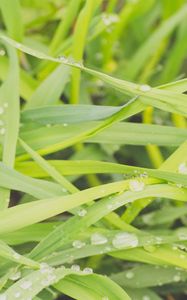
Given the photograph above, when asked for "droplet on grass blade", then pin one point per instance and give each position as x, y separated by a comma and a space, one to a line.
136, 185
1, 110
78, 244
122, 240
129, 275
145, 88
5, 104
81, 212
26, 284
2, 131
16, 256
182, 168
15, 276
88, 270
2, 52
177, 278
98, 239
17, 294
75, 268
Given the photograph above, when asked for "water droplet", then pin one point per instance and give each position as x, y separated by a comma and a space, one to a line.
129, 274
147, 218
16, 256
45, 268
78, 244
63, 59
1, 110
2, 131
81, 212
26, 284
110, 206
88, 270
158, 240
17, 294
122, 240
177, 278
75, 268
98, 239
3, 297
15, 276
136, 185
2, 52
109, 19
144, 88
182, 235
65, 124
5, 104
182, 168
145, 297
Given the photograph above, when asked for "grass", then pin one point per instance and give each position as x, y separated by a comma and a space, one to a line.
93, 146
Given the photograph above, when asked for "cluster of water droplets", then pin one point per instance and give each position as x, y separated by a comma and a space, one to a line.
76, 268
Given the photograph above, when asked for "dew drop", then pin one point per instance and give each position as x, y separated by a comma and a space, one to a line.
129, 274
144, 88
88, 270
26, 284
109, 19
16, 256
98, 239
182, 168
147, 218
5, 104
81, 212
136, 185
182, 235
15, 276
1, 110
63, 59
2, 52
177, 278
75, 268
45, 268
64, 190
122, 240
65, 124
17, 294
78, 244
